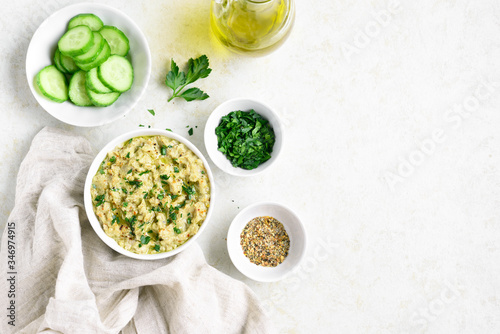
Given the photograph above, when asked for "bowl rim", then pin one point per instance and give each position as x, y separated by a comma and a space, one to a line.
96, 225
216, 156
90, 8
233, 234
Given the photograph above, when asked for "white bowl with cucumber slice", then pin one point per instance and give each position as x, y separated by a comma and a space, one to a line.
100, 41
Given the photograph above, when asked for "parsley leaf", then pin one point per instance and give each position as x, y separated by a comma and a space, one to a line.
176, 230
193, 94
190, 132
190, 190
131, 222
175, 78
99, 199
136, 183
145, 239
178, 80
151, 111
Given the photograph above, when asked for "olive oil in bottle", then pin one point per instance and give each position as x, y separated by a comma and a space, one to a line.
254, 27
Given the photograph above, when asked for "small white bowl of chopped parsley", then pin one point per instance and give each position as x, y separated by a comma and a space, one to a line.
243, 137
266, 241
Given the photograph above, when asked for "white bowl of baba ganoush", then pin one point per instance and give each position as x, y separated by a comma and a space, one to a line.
149, 193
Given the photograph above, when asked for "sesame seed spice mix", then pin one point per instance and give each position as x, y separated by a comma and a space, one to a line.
265, 242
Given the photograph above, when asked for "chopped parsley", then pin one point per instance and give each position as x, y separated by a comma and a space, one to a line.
128, 155
100, 200
176, 169
115, 220
151, 111
172, 216
176, 230
189, 220
125, 204
145, 172
245, 138
112, 159
156, 209
190, 190
131, 222
190, 132
130, 171
157, 248
163, 150
145, 239
136, 183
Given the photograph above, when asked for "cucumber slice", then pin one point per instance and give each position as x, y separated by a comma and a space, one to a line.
93, 83
77, 91
90, 20
101, 58
103, 100
76, 41
116, 39
68, 64
57, 61
94, 51
116, 73
52, 84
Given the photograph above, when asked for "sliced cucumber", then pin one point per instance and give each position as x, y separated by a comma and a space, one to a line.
116, 39
101, 58
116, 73
95, 56
68, 64
93, 83
57, 61
103, 100
90, 20
77, 91
76, 41
52, 84
94, 51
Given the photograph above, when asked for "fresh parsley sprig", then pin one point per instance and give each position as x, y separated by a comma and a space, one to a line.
178, 80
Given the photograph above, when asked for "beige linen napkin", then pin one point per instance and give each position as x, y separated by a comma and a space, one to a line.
69, 281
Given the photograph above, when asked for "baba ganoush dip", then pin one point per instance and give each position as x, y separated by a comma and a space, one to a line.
151, 194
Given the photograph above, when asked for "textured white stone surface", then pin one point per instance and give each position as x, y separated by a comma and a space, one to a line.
392, 155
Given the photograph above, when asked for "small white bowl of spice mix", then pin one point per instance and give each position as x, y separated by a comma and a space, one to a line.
266, 241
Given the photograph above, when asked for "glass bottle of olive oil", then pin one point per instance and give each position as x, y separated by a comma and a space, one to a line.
254, 27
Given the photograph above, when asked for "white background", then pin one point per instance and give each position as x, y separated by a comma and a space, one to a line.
391, 159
